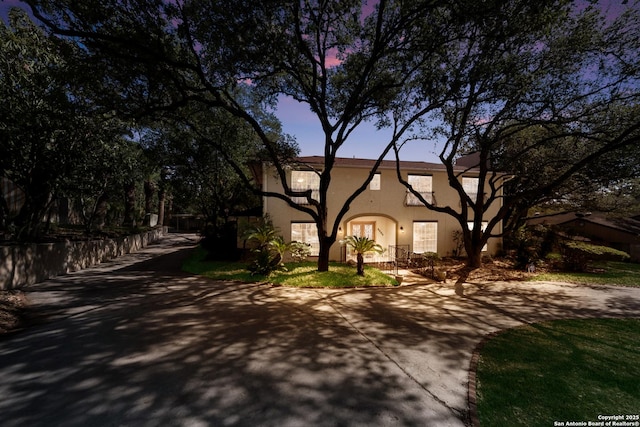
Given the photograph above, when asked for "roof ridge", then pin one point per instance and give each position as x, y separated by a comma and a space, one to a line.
357, 161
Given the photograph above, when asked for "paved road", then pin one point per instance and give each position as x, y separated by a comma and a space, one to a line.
135, 342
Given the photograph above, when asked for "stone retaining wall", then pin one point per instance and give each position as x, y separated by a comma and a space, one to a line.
28, 264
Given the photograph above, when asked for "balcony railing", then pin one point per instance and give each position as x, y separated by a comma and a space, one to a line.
315, 195
412, 200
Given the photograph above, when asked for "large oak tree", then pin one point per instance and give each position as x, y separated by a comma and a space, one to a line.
474, 74
54, 141
346, 66
546, 93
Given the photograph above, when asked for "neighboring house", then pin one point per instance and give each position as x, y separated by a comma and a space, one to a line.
619, 233
386, 212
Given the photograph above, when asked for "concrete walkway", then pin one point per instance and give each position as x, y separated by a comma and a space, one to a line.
135, 342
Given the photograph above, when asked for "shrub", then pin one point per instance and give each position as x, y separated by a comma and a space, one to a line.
361, 245
220, 241
553, 260
531, 244
577, 255
299, 251
271, 249
264, 262
430, 259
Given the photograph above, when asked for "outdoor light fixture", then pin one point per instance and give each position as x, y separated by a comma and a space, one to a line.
401, 229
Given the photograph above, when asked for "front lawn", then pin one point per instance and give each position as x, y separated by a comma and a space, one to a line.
559, 371
605, 273
303, 274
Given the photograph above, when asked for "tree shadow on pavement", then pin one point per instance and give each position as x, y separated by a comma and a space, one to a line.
145, 344
187, 351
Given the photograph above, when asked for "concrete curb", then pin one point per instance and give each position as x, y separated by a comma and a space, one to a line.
473, 378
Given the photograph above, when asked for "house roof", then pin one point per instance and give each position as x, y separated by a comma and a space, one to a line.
627, 225
369, 163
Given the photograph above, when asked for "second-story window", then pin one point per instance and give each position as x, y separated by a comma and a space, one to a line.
470, 186
423, 185
305, 180
375, 182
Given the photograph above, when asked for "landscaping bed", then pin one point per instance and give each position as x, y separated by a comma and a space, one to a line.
614, 273
12, 309
492, 270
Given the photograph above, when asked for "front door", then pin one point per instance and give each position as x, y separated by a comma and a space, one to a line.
364, 229
378, 228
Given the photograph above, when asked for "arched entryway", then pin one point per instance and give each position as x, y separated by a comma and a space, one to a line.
380, 228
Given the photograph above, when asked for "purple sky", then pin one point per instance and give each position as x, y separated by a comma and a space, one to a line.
299, 121
365, 142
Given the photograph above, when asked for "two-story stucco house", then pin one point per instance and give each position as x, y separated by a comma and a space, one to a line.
386, 212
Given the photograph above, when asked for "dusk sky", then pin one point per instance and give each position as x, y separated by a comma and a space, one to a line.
300, 122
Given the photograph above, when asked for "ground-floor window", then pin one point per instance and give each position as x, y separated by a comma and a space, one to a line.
306, 232
425, 237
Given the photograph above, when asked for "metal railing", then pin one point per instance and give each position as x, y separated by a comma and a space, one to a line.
397, 258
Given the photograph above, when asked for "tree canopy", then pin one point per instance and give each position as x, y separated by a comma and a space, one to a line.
477, 76
53, 139
346, 66
545, 91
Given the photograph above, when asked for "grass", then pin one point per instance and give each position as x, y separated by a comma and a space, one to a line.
565, 370
302, 274
218, 270
610, 273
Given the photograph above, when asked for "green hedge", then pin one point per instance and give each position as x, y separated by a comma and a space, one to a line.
577, 255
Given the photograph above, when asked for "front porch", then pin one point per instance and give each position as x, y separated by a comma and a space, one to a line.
381, 229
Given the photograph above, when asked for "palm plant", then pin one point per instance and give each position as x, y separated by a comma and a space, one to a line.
280, 247
262, 234
361, 246
271, 247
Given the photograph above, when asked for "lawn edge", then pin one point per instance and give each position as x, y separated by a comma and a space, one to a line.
472, 397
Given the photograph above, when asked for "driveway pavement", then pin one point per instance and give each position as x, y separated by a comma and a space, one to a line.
135, 342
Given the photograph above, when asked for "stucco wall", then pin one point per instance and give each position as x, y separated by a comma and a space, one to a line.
389, 202
28, 264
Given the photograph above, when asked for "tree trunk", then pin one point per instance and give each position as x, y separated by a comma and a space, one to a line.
4, 213
474, 258
360, 259
129, 204
149, 191
473, 245
323, 255
102, 206
161, 199
32, 213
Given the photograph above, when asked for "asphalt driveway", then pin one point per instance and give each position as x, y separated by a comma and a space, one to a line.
136, 342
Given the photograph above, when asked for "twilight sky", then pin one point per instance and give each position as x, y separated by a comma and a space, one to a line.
366, 142
298, 121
